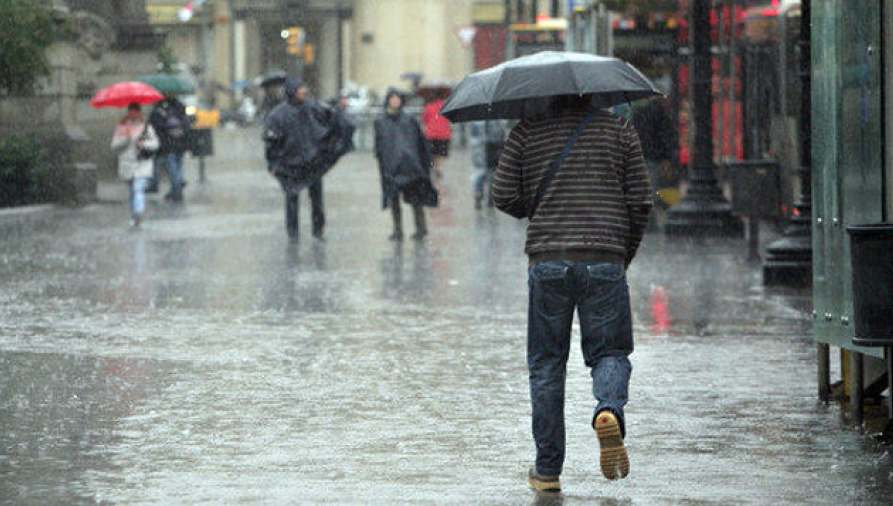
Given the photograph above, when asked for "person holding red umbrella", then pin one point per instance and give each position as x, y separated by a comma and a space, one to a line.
134, 140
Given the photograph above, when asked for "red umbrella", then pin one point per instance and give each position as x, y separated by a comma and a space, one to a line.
124, 94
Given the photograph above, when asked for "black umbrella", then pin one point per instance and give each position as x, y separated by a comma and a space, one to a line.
274, 78
525, 86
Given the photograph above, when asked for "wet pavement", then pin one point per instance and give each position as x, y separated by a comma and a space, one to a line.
205, 359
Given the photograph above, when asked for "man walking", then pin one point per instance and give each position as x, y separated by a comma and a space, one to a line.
294, 133
581, 179
170, 121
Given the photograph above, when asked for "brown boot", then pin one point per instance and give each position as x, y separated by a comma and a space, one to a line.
542, 483
614, 460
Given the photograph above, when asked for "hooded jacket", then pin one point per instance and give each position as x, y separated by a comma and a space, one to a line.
130, 136
404, 161
172, 124
295, 132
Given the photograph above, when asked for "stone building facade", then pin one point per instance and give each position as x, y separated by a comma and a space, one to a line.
111, 41
367, 42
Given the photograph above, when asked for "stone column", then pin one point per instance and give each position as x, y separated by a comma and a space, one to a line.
327, 57
222, 48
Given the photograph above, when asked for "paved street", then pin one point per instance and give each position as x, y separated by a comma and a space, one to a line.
204, 359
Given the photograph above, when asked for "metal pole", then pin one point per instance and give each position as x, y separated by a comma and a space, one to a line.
721, 40
340, 51
753, 238
702, 77
205, 57
823, 352
733, 123
232, 52
857, 386
789, 259
888, 355
704, 211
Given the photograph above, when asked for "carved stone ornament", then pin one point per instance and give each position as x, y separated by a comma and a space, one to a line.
94, 34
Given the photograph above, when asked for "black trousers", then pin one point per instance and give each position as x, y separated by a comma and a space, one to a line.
292, 212
418, 212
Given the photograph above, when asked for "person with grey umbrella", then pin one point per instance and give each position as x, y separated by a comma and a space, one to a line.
575, 170
586, 223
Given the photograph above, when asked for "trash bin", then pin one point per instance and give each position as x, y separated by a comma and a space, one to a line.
756, 187
201, 142
871, 248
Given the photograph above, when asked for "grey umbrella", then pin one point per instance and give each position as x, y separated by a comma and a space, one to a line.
524, 86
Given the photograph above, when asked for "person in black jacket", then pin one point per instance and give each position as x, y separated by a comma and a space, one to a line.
405, 165
170, 121
299, 134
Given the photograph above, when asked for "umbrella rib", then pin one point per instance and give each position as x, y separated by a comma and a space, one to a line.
577, 83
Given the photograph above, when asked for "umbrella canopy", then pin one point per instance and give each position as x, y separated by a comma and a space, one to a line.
124, 94
274, 78
525, 86
169, 84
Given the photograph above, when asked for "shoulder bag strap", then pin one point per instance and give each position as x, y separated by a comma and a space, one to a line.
553, 167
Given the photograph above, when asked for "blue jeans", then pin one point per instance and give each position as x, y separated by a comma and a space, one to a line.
480, 180
173, 163
138, 196
599, 293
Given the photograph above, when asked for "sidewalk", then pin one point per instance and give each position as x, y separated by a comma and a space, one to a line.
205, 359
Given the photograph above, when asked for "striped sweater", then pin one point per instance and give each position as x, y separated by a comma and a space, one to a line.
600, 198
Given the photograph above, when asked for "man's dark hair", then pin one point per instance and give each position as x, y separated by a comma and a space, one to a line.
573, 102
133, 106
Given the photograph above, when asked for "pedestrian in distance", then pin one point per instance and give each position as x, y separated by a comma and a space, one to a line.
404, 163
296, 133
438, 133
135, 142
586, 223
170, 121
486, 139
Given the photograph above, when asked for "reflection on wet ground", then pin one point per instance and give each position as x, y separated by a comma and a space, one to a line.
207, 359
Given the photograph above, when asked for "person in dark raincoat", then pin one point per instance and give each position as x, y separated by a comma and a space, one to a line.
170, 122
405, 165
299, 135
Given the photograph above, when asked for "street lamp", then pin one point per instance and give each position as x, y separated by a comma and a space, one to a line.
789, 260
704, 211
